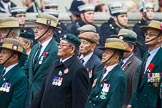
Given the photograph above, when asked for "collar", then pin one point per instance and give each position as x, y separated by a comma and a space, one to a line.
65, 59
44, 45
154, 51
108, 69
6, 5
86, 58
9, 68
127, 58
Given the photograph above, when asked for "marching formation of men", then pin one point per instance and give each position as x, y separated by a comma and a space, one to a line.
80, 65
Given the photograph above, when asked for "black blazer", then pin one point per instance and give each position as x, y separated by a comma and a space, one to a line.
73, 90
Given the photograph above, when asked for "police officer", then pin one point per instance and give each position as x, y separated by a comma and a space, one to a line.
109, 88
146, 94
131, 63
115, 23
42, 54
147, 14
13, 81
67, 84
92, 62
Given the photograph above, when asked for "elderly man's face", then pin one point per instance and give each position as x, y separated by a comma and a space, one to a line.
4, 55
65, 49
152, 39
107, 54
86, 47
3, 34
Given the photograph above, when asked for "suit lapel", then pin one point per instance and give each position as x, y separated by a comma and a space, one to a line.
47, 49
8, 75
98, 88
128, 63
155, 62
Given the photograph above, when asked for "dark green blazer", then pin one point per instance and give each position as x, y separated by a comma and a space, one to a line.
110, 92
18, 84
147, 94
38, 72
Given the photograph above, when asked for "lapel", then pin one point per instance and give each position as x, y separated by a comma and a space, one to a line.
89, 62
47, 49
8, 75
98, 88
128, 63
1, 5
155, 62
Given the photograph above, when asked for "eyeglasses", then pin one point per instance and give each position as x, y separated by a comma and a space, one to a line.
38, 28
151, 34
64, 45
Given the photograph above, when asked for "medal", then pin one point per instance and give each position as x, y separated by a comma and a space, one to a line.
66, 71
60, 73
60, 81
106, 87
94, 82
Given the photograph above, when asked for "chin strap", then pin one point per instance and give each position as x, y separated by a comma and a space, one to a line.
43, 33
109, 57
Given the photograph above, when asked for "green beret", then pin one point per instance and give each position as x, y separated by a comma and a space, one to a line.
71, 39
27, 35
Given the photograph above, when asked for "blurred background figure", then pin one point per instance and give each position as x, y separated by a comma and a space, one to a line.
159, 6
32, 6
118, 20
147, 15
50, 5
6, 5
101, 8
131, 5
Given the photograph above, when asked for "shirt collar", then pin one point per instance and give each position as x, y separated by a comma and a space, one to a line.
86, 58
127, 58
9, 68
154, 51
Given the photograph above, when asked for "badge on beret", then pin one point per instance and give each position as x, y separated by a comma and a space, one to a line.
161, 26
121, 37
48, 22
15, 47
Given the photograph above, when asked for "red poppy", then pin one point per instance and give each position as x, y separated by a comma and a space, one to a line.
45, 54
151, 66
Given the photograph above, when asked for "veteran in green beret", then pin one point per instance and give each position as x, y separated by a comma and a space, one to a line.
130, 62
147, 93
13, 81
9, 28
42, 54
67, 84
109, 88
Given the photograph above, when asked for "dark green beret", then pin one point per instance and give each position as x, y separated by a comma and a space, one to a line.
71, 39
27, 35
128, 38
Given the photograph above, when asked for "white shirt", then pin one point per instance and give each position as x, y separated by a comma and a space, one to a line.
108, 69
126, 59
86, 58
9, 68
44, 45
65, 59
152, 54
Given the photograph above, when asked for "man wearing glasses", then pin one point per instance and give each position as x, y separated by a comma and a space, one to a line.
42, 54
147, 93
67, 84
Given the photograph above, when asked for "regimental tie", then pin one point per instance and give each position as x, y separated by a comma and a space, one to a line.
81, 60
143, 66
36, 58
